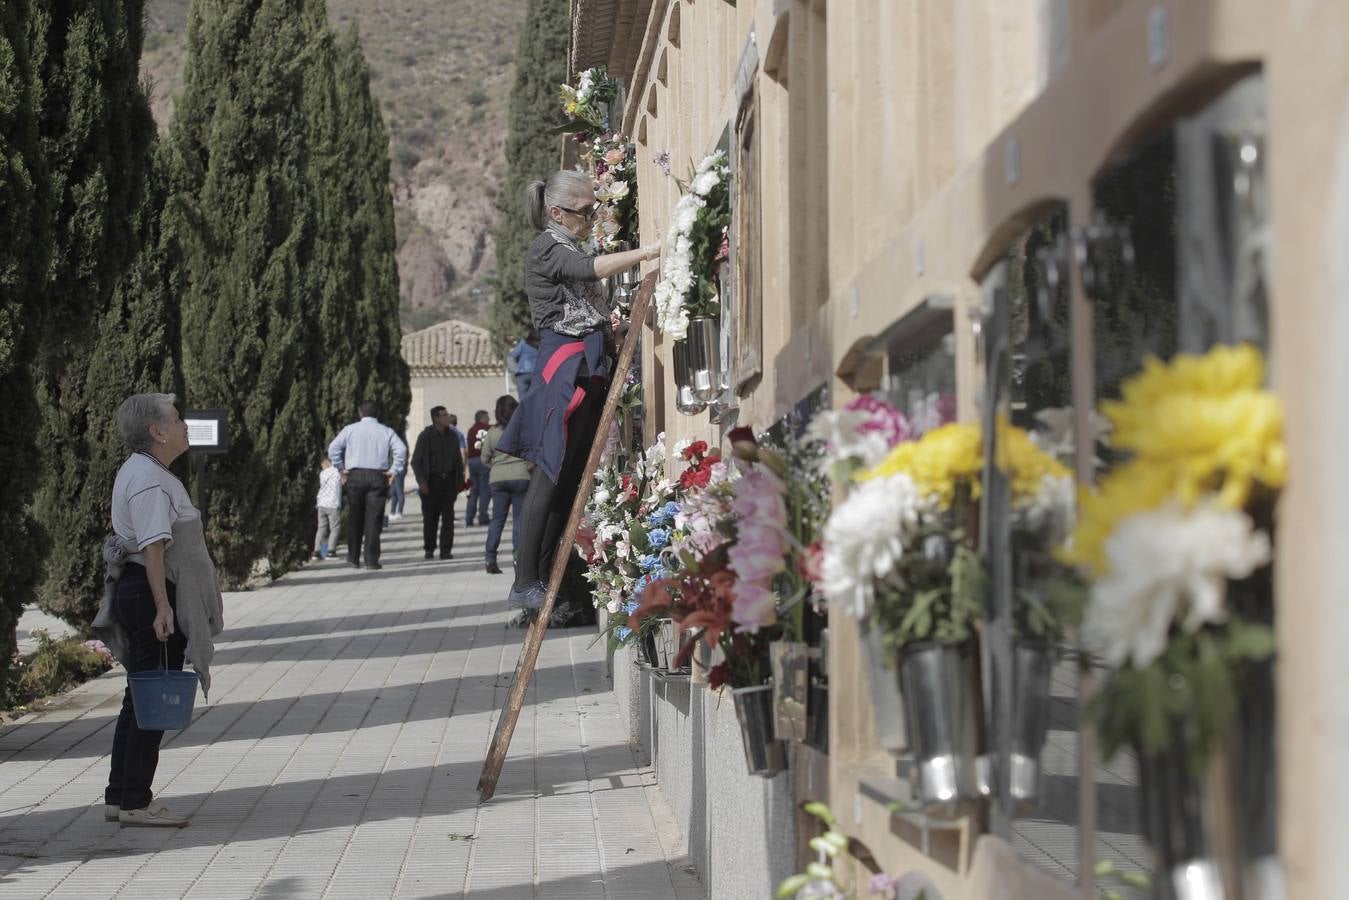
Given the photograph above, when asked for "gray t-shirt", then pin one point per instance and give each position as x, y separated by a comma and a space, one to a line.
564, 294
147, 499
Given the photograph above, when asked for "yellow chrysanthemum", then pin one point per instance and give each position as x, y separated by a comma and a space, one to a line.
938, 462
1197, 426
1208, 419
1131, 488
1024, 462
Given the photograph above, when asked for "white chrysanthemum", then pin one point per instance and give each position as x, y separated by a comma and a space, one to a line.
841, 432
864, 539
713, 159
704, 183
1168, 564
1052, 511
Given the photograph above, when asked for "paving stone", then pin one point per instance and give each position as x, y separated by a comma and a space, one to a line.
339, 752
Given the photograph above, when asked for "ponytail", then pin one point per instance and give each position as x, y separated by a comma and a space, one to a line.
534, 206
561, 190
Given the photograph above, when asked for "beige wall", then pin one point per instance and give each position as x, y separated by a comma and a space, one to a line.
460, 394
886, 126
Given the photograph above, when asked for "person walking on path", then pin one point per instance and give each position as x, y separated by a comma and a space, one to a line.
480, 491
161, 602
438, 464
509, 481
524, 356
557, 419
329, 504
396, 499
459, 436
362, 452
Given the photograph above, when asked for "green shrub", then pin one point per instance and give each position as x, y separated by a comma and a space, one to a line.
55, 667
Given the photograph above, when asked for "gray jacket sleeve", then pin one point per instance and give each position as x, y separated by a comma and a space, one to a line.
558, 262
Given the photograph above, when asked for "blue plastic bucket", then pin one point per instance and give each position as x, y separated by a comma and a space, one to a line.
163, 698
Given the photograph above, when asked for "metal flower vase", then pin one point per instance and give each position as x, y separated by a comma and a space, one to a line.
704, 358
765, 756
1032, 666
942, 712
686, 403
887, 704
790, 661
1213, 833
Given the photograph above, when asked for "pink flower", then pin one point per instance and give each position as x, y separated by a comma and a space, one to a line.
758, 554
882, 418
755, 607
615, 156
758, 497
882, 884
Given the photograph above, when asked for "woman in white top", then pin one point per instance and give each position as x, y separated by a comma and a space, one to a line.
165, 603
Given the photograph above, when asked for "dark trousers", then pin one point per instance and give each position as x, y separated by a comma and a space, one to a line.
507, 496
135, 752
547, 505
367, 489
438, 511
480, 494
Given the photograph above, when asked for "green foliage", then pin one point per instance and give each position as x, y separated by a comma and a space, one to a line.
97, 134
289, 314
933, 598
55, 667
24, 254
1191, 690
532, 152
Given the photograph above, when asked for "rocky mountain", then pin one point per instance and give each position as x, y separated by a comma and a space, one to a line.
442, 72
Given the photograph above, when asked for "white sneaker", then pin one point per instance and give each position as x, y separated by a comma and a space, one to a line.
395, 517
159, 817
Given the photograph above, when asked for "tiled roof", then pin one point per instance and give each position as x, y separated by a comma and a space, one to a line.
608, 33
450, 345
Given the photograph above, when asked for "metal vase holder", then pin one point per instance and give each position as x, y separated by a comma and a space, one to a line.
1032, 666
765, 756
704, 359
686, 403
790, 661
942, 712
887, 704
1213, 834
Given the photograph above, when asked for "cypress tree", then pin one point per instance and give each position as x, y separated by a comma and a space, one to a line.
532, 152
24, 218
244, 212
356, 246
96, 130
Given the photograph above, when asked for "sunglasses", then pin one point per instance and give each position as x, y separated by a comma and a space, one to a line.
587, 212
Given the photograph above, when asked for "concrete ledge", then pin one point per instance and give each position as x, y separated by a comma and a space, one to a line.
741, 829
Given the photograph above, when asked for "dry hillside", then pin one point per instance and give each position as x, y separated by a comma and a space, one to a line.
442, 72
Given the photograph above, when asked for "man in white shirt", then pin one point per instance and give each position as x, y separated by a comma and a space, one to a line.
362, 453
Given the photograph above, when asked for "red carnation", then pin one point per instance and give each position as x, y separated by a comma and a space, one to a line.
697, 448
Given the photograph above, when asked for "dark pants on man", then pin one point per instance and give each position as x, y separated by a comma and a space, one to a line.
480, 494
507, 496
438, 512
367, 491
547, 506
135, 751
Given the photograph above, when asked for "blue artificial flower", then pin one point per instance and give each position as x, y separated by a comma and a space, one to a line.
657, 538
630, 607
623, 631
649, 562
671, 509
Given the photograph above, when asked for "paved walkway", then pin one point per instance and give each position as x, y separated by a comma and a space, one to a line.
339, 753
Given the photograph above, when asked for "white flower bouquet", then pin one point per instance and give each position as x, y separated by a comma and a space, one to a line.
688, 287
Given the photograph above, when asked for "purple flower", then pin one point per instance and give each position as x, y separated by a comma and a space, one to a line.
662, 161
882, 884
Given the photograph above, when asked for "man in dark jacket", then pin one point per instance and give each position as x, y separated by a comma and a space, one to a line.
438, 463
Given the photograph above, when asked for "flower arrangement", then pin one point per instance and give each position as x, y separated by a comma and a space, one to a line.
614, 162
899, 553
586, 105
744, 535
688, 287
1177, 545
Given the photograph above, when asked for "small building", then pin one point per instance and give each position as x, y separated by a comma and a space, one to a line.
452, 364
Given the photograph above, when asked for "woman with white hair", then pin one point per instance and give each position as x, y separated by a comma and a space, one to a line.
162, 601
557, 419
